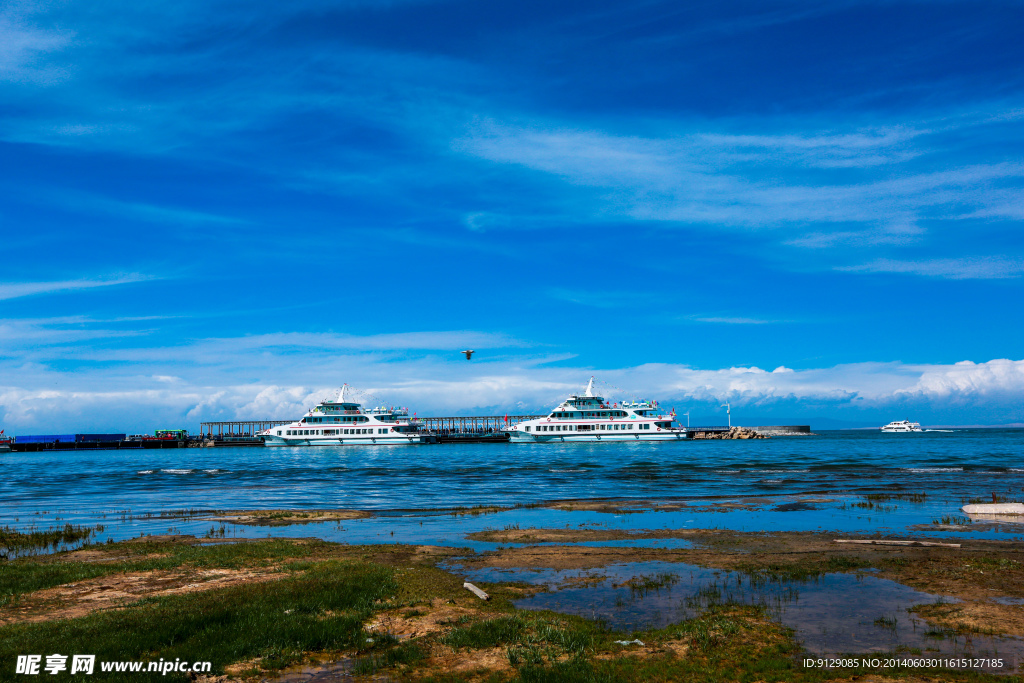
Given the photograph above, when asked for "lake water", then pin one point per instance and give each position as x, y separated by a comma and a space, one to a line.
788, 483
826, 620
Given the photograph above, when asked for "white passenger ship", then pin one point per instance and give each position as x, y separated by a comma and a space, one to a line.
902, 426
590, 418
343, 423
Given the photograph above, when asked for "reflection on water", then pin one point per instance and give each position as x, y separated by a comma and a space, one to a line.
833, 613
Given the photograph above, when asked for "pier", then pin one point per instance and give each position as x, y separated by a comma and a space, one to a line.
129, 444
472, 429
241, 429
452, 429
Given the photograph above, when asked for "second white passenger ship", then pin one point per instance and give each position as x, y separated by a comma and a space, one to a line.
902, 426
343, 423
590, 418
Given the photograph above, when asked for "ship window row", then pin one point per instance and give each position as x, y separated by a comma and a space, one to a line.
336, 420
576, 415
333, 432
583, 428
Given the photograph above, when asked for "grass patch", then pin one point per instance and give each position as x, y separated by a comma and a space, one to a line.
488, 633
994, 562
31, 574
406, 654
537, 643
643, 585
909, 497
995, 498
952, 520
886, 623
870, 504
323, 609
575, 670
14, 543
760, 575
710, 630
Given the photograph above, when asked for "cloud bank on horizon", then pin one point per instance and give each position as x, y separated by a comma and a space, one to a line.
216, 211
518, 379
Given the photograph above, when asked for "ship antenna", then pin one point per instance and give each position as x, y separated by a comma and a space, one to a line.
590, 387
341, 394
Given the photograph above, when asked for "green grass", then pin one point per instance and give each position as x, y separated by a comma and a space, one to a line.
13, 542
994, 562
31, 573
994, 498
886, 623
406, 654
643, 585
575, 670
870, 504
800, 571
952, 520
910, 497
488, 633
321, 610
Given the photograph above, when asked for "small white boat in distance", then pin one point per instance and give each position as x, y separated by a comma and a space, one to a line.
340, 422
902, 426
590, 418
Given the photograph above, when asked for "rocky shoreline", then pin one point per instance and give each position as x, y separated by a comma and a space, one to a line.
733, 433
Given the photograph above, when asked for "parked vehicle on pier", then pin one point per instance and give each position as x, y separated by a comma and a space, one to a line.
591, 418
342, 422
174, 434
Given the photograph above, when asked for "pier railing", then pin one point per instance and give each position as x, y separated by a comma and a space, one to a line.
221, 430
472, 424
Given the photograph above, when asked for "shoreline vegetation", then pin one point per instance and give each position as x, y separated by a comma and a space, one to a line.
274, 607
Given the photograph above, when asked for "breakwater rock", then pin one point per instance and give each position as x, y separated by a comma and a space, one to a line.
732, 433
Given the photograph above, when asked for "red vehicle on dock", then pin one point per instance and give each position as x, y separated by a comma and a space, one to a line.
168, 435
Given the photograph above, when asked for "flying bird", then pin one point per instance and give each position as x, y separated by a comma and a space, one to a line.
469, 353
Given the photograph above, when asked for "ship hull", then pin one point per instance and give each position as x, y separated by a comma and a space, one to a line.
524, 437
351, 441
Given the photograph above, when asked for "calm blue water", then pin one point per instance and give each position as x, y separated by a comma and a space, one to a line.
404, 484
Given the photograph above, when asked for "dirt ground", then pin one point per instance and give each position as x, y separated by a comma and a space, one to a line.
286, 517
619, 507
116, 590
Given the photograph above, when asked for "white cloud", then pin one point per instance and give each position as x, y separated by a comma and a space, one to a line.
13, 290
735, 321
22, 45
977, 268
827, 190
968, 380
37, 397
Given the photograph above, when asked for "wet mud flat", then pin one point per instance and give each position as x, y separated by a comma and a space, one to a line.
727, 606
918, 600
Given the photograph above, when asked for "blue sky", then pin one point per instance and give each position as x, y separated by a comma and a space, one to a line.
217, 210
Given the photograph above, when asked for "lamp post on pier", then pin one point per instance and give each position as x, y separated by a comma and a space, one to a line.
728, 411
